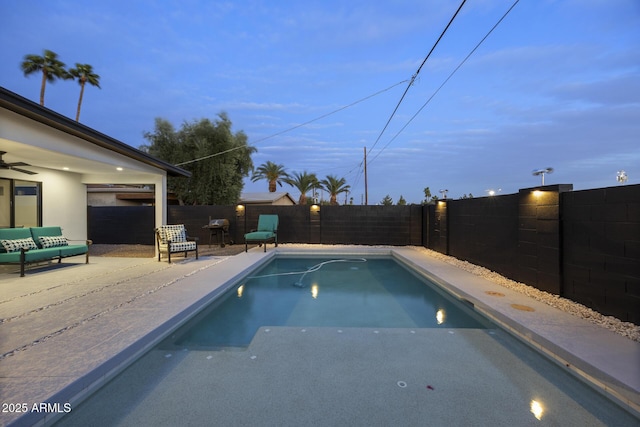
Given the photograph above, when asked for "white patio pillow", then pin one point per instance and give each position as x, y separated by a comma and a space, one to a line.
17, 244
53, 241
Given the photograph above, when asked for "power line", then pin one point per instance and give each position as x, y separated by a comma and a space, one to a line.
446, 80
294, 127
416, 75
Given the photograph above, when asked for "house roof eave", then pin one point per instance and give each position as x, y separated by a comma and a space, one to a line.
22, 106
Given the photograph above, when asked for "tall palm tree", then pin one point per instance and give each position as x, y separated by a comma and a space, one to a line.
303, 182
50, 66
335, 186
84, 73
273, 173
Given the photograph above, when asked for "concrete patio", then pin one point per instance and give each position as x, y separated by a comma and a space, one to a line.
66, 329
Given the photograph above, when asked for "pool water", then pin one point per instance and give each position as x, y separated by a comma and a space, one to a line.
336, 292
350, 342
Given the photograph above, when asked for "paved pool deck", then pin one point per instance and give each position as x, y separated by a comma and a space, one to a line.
67, 329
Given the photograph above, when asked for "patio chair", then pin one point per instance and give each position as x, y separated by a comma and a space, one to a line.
267, 231
173, 238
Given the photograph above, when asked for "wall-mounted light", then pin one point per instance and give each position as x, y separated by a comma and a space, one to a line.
537, 193
240, 210
315, 208
119, 169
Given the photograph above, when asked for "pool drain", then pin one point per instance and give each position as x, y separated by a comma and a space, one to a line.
402, 384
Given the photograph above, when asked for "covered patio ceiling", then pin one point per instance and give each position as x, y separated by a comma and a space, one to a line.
83, 150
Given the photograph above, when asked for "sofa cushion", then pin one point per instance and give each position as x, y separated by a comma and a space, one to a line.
260, 235
72, 250
37, 232
42, 254
183, 246
53, 241
16, 244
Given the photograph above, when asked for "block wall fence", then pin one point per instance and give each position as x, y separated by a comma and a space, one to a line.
582, 245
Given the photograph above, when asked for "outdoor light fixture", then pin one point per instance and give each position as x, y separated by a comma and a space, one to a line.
444, 193
541, 172
240, 210
621, 177
493, 192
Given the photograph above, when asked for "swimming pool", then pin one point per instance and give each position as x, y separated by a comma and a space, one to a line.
325, 292
417, 370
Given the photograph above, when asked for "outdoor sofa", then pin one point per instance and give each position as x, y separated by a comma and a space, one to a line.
36, 244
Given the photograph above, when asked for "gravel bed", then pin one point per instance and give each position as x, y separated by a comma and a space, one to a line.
626, 329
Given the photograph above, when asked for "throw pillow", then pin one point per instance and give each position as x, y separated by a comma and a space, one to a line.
17, 244
53, 241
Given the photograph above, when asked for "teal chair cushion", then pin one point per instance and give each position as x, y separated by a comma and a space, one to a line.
260, 235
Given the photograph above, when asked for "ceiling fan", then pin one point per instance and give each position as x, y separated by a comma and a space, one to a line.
12, 166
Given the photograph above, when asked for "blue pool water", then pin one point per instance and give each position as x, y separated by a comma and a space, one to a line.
336, 292
342, 341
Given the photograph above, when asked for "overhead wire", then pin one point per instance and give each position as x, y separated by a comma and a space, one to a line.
415, 75
445, 81
294, 127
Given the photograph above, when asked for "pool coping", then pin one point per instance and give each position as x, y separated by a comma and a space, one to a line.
606, 360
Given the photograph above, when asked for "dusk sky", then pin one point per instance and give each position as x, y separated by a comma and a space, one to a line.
556, 84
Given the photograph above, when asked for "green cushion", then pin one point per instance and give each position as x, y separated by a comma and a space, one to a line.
41, 254
268, 223
36, 232
10, 257
260, 235
14, 233
72, 250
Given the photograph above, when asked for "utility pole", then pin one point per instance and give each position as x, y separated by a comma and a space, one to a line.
366, 190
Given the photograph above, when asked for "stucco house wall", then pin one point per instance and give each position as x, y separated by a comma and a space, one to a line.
67, 156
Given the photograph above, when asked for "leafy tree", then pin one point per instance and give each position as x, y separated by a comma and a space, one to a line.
334, 186
50, 67
84, 73
217, 158
273, 173
303, 182
387, 201
402, 201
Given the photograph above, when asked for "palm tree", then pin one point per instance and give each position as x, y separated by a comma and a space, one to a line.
50, 66
272, 172
303, 182
335, 186
84, 73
